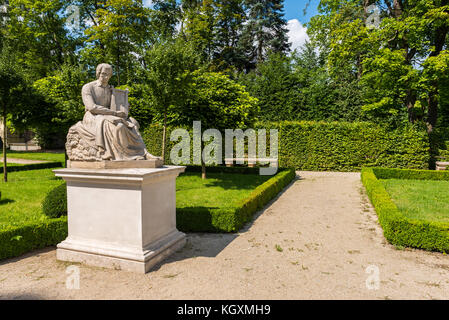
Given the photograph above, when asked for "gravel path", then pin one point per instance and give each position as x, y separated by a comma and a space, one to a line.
22, 161
315, 241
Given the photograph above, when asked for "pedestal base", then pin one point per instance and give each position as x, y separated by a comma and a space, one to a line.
111, 257
121, 218
116, 164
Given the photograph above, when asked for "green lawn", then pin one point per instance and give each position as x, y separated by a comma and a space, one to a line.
25, 190
219, 190
44, 156
22, 196
420, 199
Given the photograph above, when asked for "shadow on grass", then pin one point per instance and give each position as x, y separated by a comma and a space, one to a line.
211, 244
6, 201
228, 181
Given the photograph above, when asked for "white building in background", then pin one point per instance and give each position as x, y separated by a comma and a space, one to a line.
24, 141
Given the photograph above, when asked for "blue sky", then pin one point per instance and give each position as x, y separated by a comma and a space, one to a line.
294, 9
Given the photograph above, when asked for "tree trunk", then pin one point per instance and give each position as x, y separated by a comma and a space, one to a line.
164, 134
410, 102
203, 165
432, 111
203, 169
5, 138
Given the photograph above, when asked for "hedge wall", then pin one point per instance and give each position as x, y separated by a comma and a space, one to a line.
399, 229
335, 146
33, 166
17, 240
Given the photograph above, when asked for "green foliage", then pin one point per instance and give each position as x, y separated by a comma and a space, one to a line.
299, 87
265, 31
410, 174
57, 106
218, 102
17, 240
400, 65
36, 29
34, 166
55, 203
232, 219
334, 146
398, 229
342, 146
168, 77
120, 30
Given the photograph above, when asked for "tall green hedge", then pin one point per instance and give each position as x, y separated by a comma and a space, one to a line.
335, 146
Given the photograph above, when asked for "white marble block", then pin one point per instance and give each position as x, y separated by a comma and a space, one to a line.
121, 218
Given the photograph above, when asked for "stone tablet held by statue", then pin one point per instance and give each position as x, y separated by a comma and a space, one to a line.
119, 100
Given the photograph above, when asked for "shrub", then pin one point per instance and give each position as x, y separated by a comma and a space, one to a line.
399, 229
55, 203
17, 240
335, 146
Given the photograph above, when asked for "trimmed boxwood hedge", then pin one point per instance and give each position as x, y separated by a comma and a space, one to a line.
334, 146
18, 240
34, 166
232, 219
399, 229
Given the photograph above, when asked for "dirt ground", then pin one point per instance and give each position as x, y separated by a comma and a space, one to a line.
319, 239
22, 161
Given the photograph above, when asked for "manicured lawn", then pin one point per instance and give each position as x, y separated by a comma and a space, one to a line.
420, 199
44, 156
22, 196
219, 190
25, 190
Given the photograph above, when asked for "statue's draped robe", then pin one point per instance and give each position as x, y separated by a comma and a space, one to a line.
106, 137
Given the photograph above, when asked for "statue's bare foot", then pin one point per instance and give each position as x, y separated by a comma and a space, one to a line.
149, 156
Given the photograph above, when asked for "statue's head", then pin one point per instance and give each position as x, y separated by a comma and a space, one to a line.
104, 72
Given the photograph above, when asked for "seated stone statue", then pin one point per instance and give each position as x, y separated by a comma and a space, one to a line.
104, 134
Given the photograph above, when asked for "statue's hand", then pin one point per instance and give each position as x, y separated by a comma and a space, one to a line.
121, 114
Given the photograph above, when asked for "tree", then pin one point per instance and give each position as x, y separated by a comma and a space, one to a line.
36, 29
168, 74
165, 17
265, 31
219, 103
57, 105
398, 63
12, 84
276, 87
119, 35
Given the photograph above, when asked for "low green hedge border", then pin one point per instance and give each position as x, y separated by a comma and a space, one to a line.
398, 229
231, 220
34, 166
15, 241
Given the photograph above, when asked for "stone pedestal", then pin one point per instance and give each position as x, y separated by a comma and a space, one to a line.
121, 218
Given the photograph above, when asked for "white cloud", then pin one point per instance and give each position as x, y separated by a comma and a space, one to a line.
297, 33
147, 3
